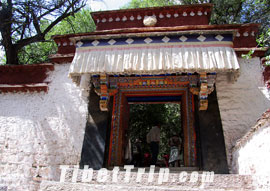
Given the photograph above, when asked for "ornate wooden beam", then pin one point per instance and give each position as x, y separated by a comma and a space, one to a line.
201, 85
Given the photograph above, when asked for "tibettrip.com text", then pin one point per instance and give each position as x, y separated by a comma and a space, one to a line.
88, 175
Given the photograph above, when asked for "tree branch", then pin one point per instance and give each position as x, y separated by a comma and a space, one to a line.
36, 22
51, 10
70, 23
40, 36
63, 16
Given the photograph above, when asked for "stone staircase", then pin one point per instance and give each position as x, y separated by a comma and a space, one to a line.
188, 181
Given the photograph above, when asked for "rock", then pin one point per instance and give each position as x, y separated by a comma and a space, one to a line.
149, 21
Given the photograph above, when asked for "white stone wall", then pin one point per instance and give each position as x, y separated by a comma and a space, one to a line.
241, 103
40, 131
252, 157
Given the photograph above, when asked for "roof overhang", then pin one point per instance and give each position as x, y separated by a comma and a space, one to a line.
155, 53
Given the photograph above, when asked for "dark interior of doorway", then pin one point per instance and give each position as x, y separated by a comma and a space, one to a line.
146, 112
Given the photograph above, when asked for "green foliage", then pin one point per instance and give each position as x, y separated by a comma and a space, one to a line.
21, 24
267, 63
258, 11
2, 56
248, 55
224, 12
2, 60
81, 22
264, 38
39, 52
144, 116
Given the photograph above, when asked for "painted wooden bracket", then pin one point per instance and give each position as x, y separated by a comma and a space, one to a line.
206, 87
104, 88
203, 94
104, 93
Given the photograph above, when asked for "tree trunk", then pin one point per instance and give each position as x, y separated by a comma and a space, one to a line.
12, 55
11, 49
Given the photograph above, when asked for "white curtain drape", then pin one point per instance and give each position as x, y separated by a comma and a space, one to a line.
153, 60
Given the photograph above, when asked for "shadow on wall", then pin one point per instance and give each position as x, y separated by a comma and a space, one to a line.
95, 134
210, 135
45, 129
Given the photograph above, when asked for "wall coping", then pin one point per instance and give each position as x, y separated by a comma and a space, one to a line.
24, 78
262, 122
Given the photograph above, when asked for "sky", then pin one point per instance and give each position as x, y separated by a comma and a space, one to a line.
98, 5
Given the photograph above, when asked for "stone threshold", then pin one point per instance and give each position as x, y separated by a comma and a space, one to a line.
232, 182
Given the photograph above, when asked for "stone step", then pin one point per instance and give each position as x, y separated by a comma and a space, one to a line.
56, 186
187, 181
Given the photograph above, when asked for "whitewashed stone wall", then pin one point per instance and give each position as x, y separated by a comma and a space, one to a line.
241, 103
40, 131
252, 153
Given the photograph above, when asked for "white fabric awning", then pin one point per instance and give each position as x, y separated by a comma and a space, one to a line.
156, 58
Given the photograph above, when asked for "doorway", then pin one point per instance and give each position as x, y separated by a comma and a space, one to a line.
146, 112
126, 97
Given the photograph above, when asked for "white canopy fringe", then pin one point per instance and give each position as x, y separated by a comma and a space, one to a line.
153, 61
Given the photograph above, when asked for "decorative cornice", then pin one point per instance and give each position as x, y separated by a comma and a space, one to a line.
240, 40
160, 16
166, 16
162, 39
61, 58
40, 87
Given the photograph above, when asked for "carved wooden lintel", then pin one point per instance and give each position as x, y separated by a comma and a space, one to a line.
201, 85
